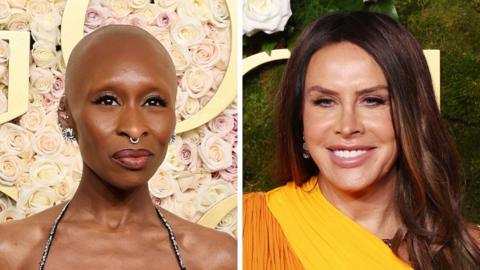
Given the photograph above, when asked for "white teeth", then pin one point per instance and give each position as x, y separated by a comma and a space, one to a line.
349, 154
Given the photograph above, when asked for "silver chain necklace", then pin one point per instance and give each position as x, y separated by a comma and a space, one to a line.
53, 230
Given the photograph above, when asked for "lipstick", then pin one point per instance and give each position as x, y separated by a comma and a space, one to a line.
132, 159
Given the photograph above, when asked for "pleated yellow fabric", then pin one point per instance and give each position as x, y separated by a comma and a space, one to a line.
264, 245
322, 237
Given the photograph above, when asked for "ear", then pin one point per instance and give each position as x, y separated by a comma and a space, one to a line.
63, 113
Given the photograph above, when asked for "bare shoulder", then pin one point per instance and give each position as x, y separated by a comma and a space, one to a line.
198, 243
22, 239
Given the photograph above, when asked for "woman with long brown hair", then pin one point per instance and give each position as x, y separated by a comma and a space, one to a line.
372, 177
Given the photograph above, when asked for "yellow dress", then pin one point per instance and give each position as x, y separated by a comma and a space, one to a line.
294, 227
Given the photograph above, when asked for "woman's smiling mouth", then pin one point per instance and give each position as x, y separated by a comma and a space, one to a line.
132, 159
349, 156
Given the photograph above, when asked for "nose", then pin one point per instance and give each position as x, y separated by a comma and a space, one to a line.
131, 123
349, 123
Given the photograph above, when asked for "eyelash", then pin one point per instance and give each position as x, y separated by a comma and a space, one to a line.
158, 101
328, 102
106, 100
111, 100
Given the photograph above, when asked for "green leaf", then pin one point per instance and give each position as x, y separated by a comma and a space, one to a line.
348, 5
268, 46
386, 7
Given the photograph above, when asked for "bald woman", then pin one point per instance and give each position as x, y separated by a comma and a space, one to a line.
120, 105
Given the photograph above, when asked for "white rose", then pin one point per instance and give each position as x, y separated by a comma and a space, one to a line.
44, 54
41, 80
149, 12
61, 63
3, 102
162, 184
39, 7
5, 202
187, 32
197, 81
229, 223
203, 100
4, 12
180, 57
19, 21
138, 4
212, 193
190, 108
205, 54
45, 29
3, 77
11, 168
215, 153
35, 198
4, 51
186, 206
194, 9
65, 189
137, 20
192, 136
34, 118
17, 3
172, 160
48, 141
188, 181
16, 140
120, 8
219, 13
161, 35
11, 213
47, 171
181, 99
169, 5
269, 16
222, 124
222, 37
224, 59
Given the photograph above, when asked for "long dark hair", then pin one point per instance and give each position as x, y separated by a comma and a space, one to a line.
429, 192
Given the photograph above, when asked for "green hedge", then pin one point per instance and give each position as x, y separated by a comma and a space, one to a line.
452, 26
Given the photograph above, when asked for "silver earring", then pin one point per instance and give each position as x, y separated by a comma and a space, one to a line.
305, 153
134, 141
67, 134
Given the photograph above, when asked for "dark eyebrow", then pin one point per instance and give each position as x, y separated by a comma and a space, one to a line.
327, 91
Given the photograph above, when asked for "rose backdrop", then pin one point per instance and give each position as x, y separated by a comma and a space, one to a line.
200, 168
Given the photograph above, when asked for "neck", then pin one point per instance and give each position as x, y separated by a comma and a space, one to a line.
374, 209
105, 205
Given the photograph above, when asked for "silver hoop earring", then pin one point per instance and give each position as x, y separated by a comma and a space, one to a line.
305, 153
67, 134
134, 141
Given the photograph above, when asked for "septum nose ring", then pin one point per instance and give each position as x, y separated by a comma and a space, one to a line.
134, 141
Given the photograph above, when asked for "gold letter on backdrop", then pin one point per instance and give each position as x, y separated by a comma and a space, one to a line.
19, 46
72, 32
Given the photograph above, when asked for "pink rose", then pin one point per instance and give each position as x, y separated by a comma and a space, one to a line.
95, 16
222, 124
58, 87
165, 19
230, 173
